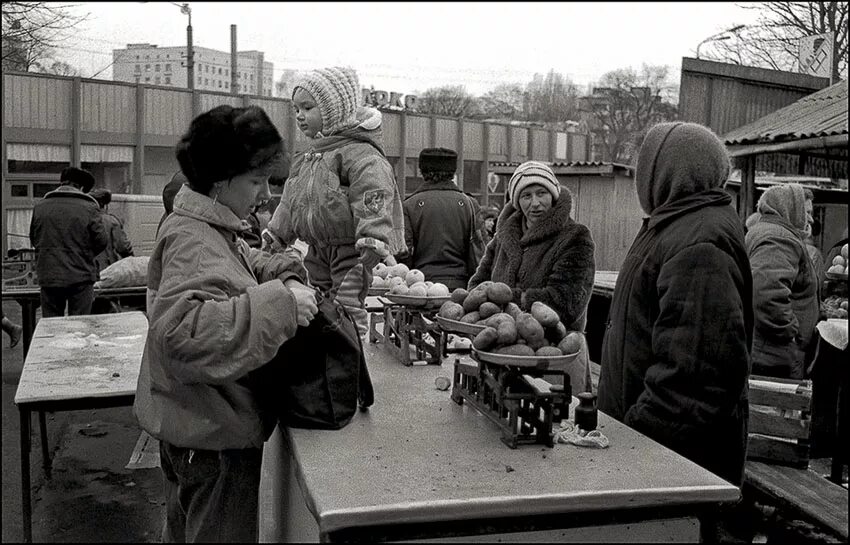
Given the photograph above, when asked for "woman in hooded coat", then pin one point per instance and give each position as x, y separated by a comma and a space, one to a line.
543, 255
785, 285
675, 357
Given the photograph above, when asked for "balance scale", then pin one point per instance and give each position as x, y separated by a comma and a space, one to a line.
412, 334
518, 400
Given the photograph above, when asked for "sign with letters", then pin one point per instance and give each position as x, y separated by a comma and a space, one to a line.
391, 100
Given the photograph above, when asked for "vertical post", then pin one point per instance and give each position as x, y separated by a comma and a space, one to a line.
569, 147
433, 130
588, 147
529, 144
509, 142
748, 187
190, 51
553, 145
76, 120
260, 60
460, 153
485, 166
401, 179
234, 83
139, 156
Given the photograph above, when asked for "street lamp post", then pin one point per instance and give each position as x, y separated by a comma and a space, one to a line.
720, 36
190, 52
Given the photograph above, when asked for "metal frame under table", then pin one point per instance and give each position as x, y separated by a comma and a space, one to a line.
76, 363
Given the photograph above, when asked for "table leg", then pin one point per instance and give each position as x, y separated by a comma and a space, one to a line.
26, 505
28, 317
45, 451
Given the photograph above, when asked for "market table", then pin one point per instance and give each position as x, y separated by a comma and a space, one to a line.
29, 298
76, 363
418, 466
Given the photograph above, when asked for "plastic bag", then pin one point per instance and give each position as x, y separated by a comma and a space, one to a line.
128, 272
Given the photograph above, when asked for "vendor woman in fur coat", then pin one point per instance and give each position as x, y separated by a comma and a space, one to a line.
543, 254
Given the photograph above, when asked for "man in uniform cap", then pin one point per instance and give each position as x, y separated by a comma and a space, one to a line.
440, 223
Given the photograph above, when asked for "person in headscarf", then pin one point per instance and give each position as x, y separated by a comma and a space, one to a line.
785, 286
675, 356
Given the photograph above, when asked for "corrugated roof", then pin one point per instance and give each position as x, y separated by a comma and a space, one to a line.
563, 164
823, 113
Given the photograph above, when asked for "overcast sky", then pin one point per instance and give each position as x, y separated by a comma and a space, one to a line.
407, 47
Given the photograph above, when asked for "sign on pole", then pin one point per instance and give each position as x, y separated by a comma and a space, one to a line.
816, 55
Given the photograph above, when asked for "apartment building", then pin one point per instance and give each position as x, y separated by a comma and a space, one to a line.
153, 65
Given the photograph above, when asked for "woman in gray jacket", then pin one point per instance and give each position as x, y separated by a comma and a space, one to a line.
217, 311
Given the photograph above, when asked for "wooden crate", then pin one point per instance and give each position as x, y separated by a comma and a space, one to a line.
780, 420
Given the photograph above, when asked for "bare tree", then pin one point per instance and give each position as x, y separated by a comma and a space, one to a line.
32, 31
60, 68
775, 41
623, 107
504, 101
552, 98
450, 100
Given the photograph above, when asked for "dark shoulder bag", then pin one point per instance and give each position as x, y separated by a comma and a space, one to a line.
319, 377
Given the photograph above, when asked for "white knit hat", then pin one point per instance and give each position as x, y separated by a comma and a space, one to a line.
336, 91
529, 173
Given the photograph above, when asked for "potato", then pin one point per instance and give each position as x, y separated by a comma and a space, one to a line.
459, 295
488, 309
451, 310
474, 299
572, 343
555, 334
470, 317
496, 319
516, 350
544, 314
548, 351
485, 339
513, 310
499, 293
507, 332
530, 330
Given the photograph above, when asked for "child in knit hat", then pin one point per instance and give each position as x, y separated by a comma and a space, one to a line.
341, 197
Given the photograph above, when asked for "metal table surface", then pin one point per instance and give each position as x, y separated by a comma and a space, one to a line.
417, 465
76, 363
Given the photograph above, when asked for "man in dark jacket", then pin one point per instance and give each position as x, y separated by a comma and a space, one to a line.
675, 358
118, 246
67, 232
440, 228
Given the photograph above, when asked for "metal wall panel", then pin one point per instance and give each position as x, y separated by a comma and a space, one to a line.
446, 133
392, 133
540, 138
418, 133
107, 108
208, 101
498, 142
279, 112
580, 147
473, 141
520, 143
36, 102
167, 112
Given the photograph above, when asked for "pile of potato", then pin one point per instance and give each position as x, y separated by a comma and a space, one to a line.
401, 280
509, 330
839, 262
835, 306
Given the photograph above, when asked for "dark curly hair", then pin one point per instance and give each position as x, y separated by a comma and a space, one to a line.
226, 142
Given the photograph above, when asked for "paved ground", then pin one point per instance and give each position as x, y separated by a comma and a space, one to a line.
91, 497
